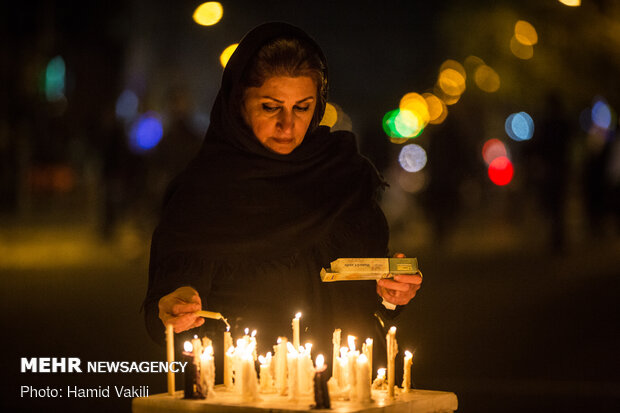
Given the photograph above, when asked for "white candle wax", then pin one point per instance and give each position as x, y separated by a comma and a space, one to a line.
228, 343
368, 347
170, 357
352, 374
295, 323
293, 379
336, 350
362, 379
408, 361
249, 386
207, 369
392, 349
280, 360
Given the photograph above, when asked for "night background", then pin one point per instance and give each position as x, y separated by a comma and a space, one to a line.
510, 202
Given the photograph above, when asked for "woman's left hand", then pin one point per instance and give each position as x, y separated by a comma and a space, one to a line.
401, 289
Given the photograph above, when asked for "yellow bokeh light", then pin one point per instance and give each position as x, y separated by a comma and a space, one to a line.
471, 62
522, 51
571, 3
417, 105
452, 82
487, 79
209, 13
435, 106
408, 124
525, 33
330, 117
445, 98
227, 53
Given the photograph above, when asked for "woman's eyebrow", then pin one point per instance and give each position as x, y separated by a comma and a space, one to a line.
281, 101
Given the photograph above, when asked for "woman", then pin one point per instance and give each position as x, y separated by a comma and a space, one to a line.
271, 198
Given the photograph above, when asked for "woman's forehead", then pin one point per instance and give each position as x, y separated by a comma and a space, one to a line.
284, 88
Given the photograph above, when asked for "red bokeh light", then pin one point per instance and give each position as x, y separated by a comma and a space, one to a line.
501, 171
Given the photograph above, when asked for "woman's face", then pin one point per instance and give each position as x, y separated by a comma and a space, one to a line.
279, 112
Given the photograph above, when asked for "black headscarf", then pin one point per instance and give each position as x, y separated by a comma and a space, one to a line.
237, 198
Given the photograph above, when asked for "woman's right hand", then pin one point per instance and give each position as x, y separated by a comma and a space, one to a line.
178, 308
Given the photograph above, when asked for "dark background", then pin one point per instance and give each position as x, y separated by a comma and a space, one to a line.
519, 306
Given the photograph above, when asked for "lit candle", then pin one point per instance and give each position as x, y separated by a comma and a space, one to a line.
249, 382
344, 369
321, 393
170, 357
207, 369
379, 382
362, 379
352, 356
228, 344
336, 349
296, 331
367, 350
392, 349
281, 365
192, 372
407, 371
266, 381
292, 358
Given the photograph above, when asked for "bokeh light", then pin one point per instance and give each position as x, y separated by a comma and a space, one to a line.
330, 117
601, 114
412, 158
408, 124
519, 126
472, 62
145, 133
486, 78
437, 110
127, 105
571, 3
525, 33
493, 148
209, 13
412, 182
225, 56
522, 51
500, 171
452, 82
388, 124
55, 79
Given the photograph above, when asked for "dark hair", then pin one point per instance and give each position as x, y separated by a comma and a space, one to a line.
292, 57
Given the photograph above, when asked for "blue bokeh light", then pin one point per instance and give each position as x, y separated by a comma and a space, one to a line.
127, 105
601, 114
519, 126
145, 133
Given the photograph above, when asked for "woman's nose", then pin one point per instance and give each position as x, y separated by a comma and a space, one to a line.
285, 121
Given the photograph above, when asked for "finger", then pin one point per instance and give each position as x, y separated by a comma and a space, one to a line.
393, 285
199, 321
183, 308
409, 278
183, 322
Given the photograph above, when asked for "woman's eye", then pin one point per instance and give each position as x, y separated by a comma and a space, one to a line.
302, 108
268, 108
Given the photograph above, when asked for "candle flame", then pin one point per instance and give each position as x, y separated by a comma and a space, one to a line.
362, 359
269, 355
320, 360
381, 373
308, 346
246, 331
343, 351
298, 315
262, 360
227, 328
195, 336
254, 333
290, 347
279, 340
369, 341
393, 330
351, 340
408, 354
187, 346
